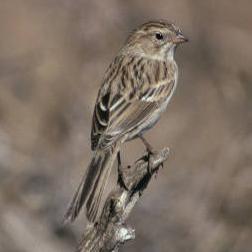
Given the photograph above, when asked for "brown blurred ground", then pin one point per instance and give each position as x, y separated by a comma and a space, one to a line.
52, 58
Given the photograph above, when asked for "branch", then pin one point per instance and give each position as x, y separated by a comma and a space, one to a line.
111, 231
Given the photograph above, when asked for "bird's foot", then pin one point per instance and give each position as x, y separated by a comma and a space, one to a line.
150, 153
120, 180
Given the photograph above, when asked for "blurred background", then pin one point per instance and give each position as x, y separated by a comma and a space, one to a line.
53, 54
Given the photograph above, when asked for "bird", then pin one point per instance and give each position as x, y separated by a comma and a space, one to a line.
135, 91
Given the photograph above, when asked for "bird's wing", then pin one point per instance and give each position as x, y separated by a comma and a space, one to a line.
129, 116
100, 119
124, 114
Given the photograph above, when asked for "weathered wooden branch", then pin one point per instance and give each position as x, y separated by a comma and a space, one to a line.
111, 231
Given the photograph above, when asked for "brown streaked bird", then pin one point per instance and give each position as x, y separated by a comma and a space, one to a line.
136, 89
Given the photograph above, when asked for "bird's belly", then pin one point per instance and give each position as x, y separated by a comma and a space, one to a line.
151, 122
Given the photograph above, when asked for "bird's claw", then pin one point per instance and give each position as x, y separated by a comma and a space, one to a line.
120, 180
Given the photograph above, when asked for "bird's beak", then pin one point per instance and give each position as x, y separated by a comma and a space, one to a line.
179, 38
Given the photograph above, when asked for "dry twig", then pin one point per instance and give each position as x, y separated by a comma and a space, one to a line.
111, 231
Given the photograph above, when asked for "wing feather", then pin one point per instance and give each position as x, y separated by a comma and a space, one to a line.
122, 108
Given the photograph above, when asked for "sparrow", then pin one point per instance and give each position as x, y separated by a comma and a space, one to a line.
135, 91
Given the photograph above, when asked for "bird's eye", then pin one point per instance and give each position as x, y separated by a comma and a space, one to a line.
159, 36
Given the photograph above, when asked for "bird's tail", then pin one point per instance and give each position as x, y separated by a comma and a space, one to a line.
92, 185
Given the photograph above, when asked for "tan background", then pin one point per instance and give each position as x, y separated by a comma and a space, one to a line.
53, 54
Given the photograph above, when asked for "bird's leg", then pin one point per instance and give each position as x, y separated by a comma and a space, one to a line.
150, 152
147, 145
149, 149
120, 179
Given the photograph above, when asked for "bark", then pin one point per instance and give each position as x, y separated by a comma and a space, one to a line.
111, 231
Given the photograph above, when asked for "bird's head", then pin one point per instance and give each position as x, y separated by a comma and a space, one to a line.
156, 40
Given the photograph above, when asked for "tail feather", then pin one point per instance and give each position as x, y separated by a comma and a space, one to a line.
92, 185
95, 197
